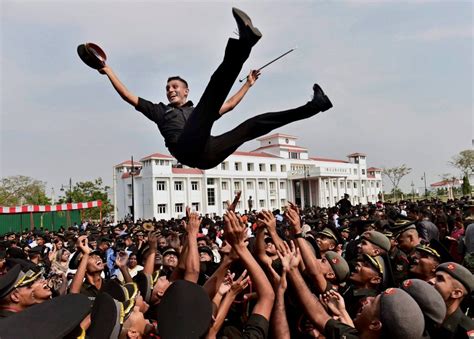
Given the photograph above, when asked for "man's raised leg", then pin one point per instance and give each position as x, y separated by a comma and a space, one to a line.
198, 127
220, 147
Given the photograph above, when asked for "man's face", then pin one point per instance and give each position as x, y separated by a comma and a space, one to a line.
325, 243
39, 241
325, 267
162, 242
363, 273
204, 257
159, 289
94, 264
443, 283
177, 93
170, 260
405, 242
201, 243
11, 237
41, 290
136, 323
24, 296
423, 265
369, 312
366, 247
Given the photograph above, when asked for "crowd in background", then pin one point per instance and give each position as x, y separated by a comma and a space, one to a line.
383, 270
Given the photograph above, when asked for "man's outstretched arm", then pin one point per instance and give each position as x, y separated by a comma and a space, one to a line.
230, 104
119, 87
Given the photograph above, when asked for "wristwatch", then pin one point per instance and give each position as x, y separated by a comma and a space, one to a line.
299, 235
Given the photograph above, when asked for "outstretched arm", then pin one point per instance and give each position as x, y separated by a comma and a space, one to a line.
230, 104
235, 235
119, 87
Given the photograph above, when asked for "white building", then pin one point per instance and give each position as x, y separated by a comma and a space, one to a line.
277, 172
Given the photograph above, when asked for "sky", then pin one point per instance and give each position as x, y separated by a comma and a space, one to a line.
399, 73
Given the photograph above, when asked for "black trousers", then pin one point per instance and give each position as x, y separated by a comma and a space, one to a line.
196, 147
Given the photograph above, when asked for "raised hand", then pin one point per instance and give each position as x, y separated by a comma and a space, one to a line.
234, 230
153, 241
293, 217
121, 259
192, 226
295, 256
83, 244
240, 284
253, 76
233, 205
226, 283
268, 219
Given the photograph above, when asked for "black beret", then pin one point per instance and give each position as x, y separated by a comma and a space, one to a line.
430, 301
184, 301
55, 318
108, 316
400, 315
458, 272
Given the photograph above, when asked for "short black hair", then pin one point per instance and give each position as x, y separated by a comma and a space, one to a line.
178, 78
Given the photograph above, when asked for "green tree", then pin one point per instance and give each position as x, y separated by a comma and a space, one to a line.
22, 190
90, 191
464, 161
395, 175
466, 186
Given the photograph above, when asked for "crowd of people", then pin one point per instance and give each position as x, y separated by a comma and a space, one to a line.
401, 270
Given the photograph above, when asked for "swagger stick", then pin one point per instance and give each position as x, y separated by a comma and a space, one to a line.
271, 62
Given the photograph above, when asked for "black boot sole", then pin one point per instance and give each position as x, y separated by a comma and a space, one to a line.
247, 31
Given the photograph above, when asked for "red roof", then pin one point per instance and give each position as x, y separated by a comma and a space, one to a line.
446, 183
329, 160
129, 163
357, 155
157, 156
254, 154
127, 175
277, 135
178, 170
292, 147
372, 169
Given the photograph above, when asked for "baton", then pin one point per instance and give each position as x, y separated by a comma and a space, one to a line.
271, 62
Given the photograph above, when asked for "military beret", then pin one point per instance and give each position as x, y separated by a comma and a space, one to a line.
378, 239
430, 301
108, 316
55, 318
401, 225
329, 233
16, 278
113, 287
435, 249
400, 315
184, 300
458, 272
145, 284
339, 266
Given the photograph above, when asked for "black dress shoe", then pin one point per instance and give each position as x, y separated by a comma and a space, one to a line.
320, 100
247, 32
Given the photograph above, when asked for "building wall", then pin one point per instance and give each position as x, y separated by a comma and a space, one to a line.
163, 188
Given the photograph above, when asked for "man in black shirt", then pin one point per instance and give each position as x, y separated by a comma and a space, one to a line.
187, 129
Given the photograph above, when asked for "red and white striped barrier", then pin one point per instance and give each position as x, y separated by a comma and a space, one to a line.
50, 208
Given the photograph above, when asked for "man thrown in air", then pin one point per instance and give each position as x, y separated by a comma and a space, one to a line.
187, 129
